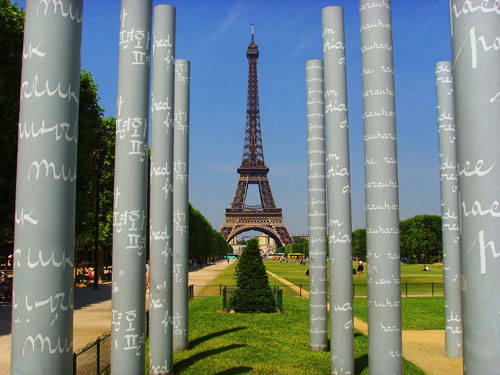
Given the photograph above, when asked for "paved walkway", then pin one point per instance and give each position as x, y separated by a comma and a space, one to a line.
92, 313
425, 348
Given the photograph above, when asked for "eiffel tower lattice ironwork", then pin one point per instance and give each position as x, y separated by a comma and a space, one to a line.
266, 217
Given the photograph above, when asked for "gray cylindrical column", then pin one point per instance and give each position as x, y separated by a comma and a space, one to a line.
131, 174
161, 195
339, 192
449, 208
42, 308
318, 318
381, 189
476, 74
181, 203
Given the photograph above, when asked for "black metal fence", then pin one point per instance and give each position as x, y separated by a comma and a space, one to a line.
95, 359
277, 292
216, 290
408, 290
301, 290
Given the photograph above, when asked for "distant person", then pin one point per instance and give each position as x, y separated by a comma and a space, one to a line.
307, 272
4, 285
426, 268
360, 268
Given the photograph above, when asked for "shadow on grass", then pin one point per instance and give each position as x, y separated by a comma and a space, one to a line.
235, 370
185, 363
202, 339
360, 363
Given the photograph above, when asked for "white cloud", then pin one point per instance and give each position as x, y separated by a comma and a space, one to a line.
234, 12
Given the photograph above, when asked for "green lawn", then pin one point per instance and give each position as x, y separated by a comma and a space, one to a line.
413, 280
417, 312
223, 343
258, 343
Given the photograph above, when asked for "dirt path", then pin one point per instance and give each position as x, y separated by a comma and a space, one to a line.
92, 314
425, 348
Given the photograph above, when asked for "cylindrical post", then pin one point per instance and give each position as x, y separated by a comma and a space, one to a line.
131, 174
98, 356
449, 208
381, 189
339, 192
318, 318
42, 307
181, 204
476, 74
161, 191
224, 294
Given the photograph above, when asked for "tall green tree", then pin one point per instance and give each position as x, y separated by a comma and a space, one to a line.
89, 152
253, 292
204, 240
426, 237
107, 165
421, 238
11, 46
359, 244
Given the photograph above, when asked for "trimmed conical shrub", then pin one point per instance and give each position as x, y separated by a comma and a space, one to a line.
253, 292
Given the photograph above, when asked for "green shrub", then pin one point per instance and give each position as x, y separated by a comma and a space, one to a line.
253, 292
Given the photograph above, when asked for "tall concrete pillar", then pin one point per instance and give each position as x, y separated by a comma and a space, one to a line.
42, 306
476, 73
318, 314
449, 208
181, 203
381, 189
161, 192
339, 192
131, 174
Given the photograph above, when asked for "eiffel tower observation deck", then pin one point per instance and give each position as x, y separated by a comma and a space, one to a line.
266, 217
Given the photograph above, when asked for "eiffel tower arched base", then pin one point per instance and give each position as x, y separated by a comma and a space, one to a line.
270, 223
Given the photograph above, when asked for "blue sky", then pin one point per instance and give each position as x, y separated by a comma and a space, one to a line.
214, 36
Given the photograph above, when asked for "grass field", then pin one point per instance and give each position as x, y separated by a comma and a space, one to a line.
413, 280
417, 313
223, 343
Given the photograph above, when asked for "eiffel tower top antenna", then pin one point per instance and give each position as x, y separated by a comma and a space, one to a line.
253, 150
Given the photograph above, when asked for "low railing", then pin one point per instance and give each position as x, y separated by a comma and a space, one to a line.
277, 291
407, 290
95, 359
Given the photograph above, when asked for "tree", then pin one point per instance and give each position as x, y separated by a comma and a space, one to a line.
359, 244
11, 46
421, 238
404, 242
253, 293
89, 149
107, 188
426, 237
204, 240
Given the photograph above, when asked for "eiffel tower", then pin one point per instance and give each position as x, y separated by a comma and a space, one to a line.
266, 217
